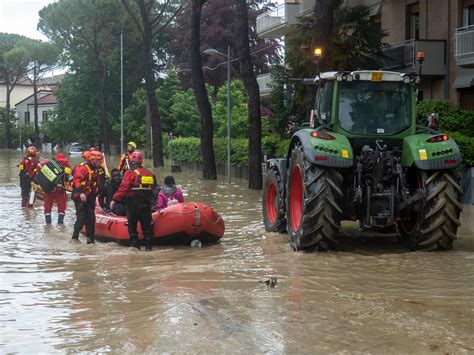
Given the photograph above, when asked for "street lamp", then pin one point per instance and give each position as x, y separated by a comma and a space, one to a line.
212, 51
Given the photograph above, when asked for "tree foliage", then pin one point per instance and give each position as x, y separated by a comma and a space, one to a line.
13, 66
219, 24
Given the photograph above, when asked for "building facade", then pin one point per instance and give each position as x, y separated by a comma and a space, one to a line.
442, 29
25, 108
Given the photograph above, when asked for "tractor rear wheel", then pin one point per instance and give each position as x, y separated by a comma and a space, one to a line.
314, 200
435, 226
273, 208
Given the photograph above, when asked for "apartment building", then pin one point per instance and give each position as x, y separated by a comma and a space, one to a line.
442, 29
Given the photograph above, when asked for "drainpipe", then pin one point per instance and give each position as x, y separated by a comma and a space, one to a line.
448, 55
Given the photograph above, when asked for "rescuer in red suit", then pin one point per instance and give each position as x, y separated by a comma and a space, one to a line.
28, 169
85, 185
136, 190
59, 194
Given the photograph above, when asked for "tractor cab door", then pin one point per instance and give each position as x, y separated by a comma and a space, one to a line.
323, 105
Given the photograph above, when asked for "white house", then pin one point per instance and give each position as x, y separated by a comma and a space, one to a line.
25, 108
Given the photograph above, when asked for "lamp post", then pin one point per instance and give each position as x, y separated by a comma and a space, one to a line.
121, 93
212, 51
318, 54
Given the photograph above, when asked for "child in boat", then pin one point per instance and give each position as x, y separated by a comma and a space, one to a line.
169, 194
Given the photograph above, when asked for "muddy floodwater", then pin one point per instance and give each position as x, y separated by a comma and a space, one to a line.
371, 297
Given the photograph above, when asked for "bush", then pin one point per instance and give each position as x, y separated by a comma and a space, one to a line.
270, 145
451, 119
466, 144
282, 149
189, 150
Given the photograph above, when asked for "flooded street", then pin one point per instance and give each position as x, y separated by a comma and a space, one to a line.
371, 297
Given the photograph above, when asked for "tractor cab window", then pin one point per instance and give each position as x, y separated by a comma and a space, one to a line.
324, 102
374, 108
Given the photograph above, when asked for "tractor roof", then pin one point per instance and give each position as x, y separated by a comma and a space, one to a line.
361, 75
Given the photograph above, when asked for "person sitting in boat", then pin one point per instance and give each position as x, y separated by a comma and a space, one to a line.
85, 190
124, 163
137, 188
55, 189
108, 192
169, 195
28, 169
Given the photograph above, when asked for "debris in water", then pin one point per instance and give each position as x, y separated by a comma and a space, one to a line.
271, 281
196, 243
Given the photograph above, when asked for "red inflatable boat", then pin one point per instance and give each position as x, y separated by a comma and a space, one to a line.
178, 224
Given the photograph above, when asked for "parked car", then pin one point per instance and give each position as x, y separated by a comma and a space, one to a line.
76, 150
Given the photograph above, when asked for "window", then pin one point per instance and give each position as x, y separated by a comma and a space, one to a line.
324, 102
413, 29
45, 116
374, 108
468, 14
27, 118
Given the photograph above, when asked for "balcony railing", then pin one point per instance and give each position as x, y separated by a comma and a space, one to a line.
264, 83
464, 39
274, 23
271, 19
402, 57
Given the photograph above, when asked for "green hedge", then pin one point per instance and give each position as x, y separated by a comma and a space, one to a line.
466, 144
189, 150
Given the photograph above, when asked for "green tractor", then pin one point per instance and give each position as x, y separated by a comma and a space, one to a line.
364, 158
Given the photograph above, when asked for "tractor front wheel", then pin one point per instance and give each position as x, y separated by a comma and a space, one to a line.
434, 227
313, 199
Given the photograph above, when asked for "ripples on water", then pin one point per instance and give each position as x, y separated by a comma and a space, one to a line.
371, 297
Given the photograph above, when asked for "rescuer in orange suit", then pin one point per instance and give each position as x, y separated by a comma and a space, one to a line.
137, 189
124, 163
28, 169
85, 185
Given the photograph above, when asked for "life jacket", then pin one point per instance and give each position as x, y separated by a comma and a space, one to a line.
28, 166
90, 184
146, 180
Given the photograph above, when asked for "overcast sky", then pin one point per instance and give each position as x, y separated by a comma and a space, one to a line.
21, 16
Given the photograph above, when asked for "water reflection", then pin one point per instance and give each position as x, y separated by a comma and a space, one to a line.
373, 296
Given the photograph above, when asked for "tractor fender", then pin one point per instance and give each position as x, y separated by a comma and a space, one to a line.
280, 164
336, 153
430, 155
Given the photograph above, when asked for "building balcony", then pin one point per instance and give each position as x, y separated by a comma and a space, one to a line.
264, 83
278, 21
464, 46
402, 57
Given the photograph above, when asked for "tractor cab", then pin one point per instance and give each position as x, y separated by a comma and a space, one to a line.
366, 103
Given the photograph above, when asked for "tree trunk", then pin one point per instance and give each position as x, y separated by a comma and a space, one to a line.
6, 119
253, 98
207, 129
104, 123
35, 109
150, 89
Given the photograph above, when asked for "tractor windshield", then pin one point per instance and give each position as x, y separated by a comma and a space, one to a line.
374, 108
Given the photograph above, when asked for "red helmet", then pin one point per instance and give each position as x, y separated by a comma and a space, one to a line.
137, 157
95, 156
60, 157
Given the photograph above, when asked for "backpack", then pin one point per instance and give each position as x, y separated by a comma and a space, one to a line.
50, 175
